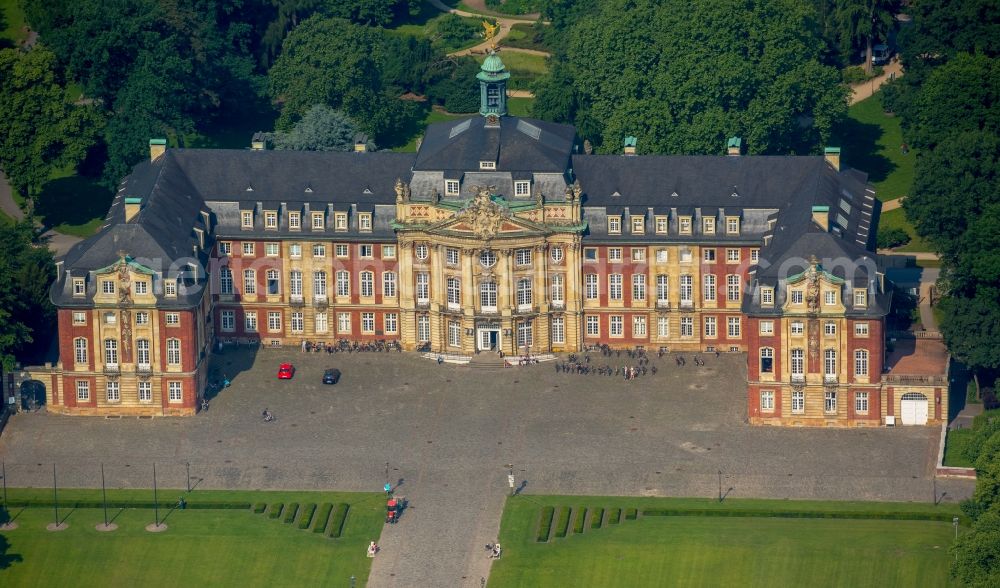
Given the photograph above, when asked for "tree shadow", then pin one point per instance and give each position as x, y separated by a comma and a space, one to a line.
859, 144
72, 200
66, 516
7, 559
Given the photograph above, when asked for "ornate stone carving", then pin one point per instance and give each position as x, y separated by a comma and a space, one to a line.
483, 214
573, 191
402, 191
812, 287
125, 306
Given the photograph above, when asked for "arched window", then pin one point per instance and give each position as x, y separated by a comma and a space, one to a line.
767, 360
389, 284
173, 351
367, 284
273, 281
861, 362
225, 281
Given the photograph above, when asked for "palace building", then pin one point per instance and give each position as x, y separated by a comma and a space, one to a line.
498, 234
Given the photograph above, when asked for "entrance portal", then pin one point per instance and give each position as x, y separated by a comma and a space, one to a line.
488, 339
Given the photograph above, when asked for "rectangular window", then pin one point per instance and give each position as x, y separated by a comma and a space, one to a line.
522, 188
755, 255
732, 255
83, 390
593, 326
246, 219
767, 400
523, 257
797, 297
662, 326
340, 250
297, 324
638, 254
615, 286
318, 250
708, 287
524, 334
79, 318
423, 290
830, 328
558, 330
798, 327
487, 165
685, 225
708, 225
557, 290
174, 391
294, 221
142, 318
687, 290
389, 284
638, 225
614, 225
145, 391
638, 326
367, 284
172, 319
861, 402
798, 364
388, 252
366, 251
250, 322
590, 286
295, 284
113, 390
830, 365
767, 296
80, 350
248, 248
685, 255
638, 286
142, 352
141, 287
249, 281
173, 351
590, 253
451, 256
108, 286
367, 322
225, 248
340, 221
616, 324
270, 219
732, 225
766, 327
662, 256
861, 362
423, 328
662, 290
391, 324
861, 329
322, 322
317, 221
273, 278
78, 287
687, 326
343, 283
733, 327
170, 288
766, 360
454, 334
733, 288
829, 402
365, 222
295, 250
708, 255
661, 225
710, 327
615, 254
829, 298
861, 298
798, 401
343, 322
451, 188
271, 249
228, 320
273, 321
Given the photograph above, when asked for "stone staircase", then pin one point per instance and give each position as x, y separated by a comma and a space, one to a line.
486, 360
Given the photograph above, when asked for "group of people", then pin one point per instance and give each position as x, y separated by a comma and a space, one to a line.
494, 549
584, 368
346, 346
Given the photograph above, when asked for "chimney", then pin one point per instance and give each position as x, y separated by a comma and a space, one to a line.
821, 216
630, 144
734, 146
832, 156
360, 143
132, 207
157, 147
259, 141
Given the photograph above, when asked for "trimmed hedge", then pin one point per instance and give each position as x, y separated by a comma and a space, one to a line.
276, 509
562, 522
545, 524
305, 519
290, 512
319, 524
614, 516
581, 518
800, 514
597, 518
259, 507
127, 504
339, 516
631, 514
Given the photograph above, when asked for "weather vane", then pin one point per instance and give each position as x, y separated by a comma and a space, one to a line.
490, 32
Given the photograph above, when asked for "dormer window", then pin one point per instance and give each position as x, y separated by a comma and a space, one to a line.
861, 298
638, 225
661, 225
365, 222
340, 221
270, 219
487, 165
732, 225
522, 188
708, 225
451, 188
685, 225
294, 221
170, 288
246, 219
767, 296
108, 286
317, 221
79, 289
614, 225
797, 296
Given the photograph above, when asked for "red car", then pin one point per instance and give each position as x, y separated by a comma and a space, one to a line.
286, 371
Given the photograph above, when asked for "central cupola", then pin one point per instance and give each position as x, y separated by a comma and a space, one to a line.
493, 76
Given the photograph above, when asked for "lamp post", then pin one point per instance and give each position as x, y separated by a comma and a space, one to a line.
954, 523
55, 494
510, 478
188, 465
4, 475
720, 485
104, 494
353, 579
156, 503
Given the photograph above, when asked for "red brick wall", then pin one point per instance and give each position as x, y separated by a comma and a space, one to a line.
186, 331
874, 343
68, 332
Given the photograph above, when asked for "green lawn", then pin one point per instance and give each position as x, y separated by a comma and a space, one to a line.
519, 106
897, 218
871, 141
199, 548
11, 23
722, 551
522, 36
423, 23
73, 204
524, 68
959, 439
433, 116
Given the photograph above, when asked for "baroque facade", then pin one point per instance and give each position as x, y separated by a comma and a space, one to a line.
496, 235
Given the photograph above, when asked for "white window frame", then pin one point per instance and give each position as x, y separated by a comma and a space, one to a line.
522, 188
173, 351
767, 400
452, 188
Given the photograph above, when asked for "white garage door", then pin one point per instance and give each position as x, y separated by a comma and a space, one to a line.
913, 409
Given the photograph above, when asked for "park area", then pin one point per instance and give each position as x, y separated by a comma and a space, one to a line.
638, 542
219, 539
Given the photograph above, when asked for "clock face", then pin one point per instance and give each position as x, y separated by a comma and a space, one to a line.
493, 119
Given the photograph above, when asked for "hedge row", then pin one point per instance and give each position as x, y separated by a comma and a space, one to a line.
259, 507
800, 514
545, 524
276, 509
339, 516
614, 516
290, 512
581, 518
597, 518
324, 513
631, 514
562, 522
126, 504
307, 515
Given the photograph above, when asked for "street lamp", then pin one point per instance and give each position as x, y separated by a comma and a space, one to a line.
353, 579
720, 485
510, 478
954, 523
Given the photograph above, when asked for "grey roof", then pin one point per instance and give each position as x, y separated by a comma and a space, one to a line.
516, 144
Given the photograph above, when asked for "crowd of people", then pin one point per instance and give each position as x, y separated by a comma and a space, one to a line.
345, 346
639, 363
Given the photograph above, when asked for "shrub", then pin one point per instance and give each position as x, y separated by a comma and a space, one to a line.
581, 518
217, 505
276, 509
892, 237
305, 519
339, 516
614, 516
319, 526
545, 524
631, 514
127, 504
597, 518
800, 514
259, 507
290, 512
562, 521
854, 74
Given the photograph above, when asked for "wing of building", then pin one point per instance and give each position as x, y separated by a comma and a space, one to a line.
496, 235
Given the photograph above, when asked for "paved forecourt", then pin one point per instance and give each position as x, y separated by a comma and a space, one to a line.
447, 433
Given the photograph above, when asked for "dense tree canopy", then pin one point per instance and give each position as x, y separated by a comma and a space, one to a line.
682, 76
321, 129
40, 131
26, 272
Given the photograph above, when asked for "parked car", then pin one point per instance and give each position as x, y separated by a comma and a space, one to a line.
881, 54
331, 376
286, 371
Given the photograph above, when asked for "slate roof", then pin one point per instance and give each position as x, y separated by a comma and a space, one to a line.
516, 144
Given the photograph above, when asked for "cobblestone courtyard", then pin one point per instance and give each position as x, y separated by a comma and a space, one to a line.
447, 433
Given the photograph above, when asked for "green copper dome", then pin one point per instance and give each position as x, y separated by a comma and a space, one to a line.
493, 64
